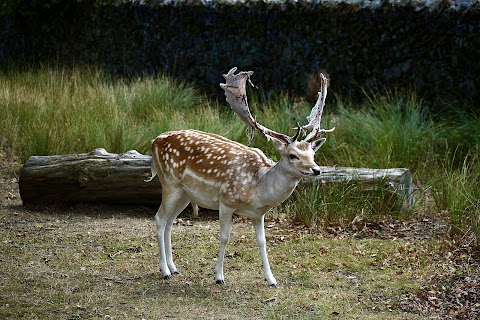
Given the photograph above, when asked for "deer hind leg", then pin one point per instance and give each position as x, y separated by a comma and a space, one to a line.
258, 224
173, 203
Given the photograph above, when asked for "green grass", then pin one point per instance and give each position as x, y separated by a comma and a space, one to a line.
72, 111
386, 132
457, 190
58, 111
340, 203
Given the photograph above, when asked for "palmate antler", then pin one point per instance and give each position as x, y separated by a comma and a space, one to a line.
315, 116
235, 91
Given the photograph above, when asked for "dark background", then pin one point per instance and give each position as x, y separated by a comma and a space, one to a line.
433, 50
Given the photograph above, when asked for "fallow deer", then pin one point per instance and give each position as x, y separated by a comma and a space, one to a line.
220, 174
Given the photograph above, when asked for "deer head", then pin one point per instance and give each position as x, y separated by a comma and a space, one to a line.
289, 147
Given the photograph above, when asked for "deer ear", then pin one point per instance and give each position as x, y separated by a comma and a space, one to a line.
318, 143
279, 144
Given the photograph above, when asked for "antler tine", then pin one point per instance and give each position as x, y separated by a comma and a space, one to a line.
315, 116
235, 91
297, 133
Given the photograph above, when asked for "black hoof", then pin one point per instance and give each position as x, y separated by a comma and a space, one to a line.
167, 277
274, 285
176, 272
220, 282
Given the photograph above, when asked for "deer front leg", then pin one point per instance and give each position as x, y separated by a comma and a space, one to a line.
258, 224
225, 217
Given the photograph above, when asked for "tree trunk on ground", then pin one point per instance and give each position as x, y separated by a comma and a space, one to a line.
97, 176
105, 177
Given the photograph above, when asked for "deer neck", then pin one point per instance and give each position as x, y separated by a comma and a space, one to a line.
277, 184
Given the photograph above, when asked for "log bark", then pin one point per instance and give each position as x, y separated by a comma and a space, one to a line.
97, 176
104, 177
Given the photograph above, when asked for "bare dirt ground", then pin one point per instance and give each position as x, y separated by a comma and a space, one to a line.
93, 261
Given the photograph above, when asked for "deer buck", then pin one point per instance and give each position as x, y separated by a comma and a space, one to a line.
220, 174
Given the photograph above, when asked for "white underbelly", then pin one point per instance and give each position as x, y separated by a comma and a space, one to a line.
204, 198
205, 193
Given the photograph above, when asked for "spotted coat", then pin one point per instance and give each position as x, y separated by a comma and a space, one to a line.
209, 162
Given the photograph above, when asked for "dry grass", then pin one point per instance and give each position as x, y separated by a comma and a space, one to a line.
83, 265
91, 262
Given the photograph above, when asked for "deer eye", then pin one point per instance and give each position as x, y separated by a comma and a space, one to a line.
293, 157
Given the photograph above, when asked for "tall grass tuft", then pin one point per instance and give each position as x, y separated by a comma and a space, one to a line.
457, 191
387, 132
339, 203
57, 111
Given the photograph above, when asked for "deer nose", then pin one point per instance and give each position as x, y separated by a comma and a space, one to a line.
316, 171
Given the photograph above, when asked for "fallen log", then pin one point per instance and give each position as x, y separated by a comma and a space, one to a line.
97, 176
103, 177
